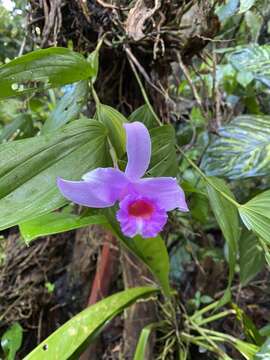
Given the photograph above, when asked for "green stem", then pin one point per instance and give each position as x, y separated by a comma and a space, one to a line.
216, 317
204, 310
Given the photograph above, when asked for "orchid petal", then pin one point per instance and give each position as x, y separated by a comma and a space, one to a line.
138, 150
165, 190
100, 188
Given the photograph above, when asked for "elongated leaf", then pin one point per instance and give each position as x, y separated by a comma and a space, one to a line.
68, 108
254, 59
140, 353
256, 215
251, 257
152, 252
227, 218
57, 222
11, 341
144, 115
241, 150
163, 160
43, 69
264, 352
64, 342
28, 168
250, 330
113, 120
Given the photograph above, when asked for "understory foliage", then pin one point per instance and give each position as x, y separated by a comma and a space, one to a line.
197, 76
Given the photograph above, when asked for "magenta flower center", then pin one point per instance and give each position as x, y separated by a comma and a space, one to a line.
141, 208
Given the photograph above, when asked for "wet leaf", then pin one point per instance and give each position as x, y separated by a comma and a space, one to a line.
241, 150
64, 342
29, 168
57, 222
11, 341
43, 69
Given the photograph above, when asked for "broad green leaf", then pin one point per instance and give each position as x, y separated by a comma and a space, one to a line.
144, 115
152, 252
245, 5
20, 127
227, 218
11, 341
140, 353
29, 168
43, 69
68, 108
264, 352
241, 150
57, 222
163, 159
113, 121
254, 59
255, 214
64, 342
251, 257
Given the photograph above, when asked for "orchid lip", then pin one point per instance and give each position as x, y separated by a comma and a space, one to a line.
141, 208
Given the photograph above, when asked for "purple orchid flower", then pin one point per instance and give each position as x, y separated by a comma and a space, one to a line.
143, 203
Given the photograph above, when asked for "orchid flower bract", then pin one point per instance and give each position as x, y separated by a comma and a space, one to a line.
143, 202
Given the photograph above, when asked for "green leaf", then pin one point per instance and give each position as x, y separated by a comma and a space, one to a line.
113, 121
254, 59
29, 168
264, 352
11, 341
20, 127
227, 10
250, 330
251, 257
43, 69
227, 218
68, 108
163, 159
244, 78
241, 150
151, 251
245, 5
144, 115
64, 342
255, 214
140, 353
246, 349
57, 222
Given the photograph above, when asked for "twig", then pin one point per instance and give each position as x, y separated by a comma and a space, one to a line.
192, 86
